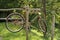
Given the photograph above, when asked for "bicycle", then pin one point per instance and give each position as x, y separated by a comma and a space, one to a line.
19, 22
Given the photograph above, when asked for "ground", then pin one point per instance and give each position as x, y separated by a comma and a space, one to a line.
33, 34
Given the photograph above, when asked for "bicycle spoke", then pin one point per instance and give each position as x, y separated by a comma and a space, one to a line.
14, 22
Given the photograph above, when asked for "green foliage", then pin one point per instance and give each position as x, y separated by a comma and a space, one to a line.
51, 5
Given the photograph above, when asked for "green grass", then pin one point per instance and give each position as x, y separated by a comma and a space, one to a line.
33, 34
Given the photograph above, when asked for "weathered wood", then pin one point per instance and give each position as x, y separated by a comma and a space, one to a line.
28, 10
9, 19
53, 26
19, 9
27, 22
11, 9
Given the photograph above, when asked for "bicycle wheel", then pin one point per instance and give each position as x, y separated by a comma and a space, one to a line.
14, 22
42, 24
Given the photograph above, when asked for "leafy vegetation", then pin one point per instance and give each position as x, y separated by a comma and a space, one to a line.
52, 7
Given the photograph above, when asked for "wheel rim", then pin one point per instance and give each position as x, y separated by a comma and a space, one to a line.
16, 22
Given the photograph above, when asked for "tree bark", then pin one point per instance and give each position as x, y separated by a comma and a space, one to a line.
44, 12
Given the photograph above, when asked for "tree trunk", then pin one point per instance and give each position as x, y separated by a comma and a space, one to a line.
44, 12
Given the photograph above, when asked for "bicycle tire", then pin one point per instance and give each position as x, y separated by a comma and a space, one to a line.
42, 24
7, 18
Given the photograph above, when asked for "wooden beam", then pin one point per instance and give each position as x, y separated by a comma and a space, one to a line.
38, 9
11, 9
9, 19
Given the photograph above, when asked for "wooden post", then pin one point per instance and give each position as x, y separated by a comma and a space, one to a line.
53, 25
27, 21
27, 18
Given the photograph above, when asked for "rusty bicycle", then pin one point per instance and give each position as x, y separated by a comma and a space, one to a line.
16, 22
